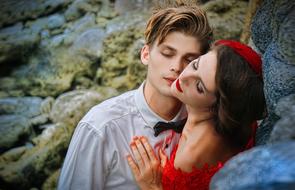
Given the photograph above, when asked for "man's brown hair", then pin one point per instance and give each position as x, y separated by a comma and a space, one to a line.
180, 16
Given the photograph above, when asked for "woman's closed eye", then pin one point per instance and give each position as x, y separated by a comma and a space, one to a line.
200, 87
195, 64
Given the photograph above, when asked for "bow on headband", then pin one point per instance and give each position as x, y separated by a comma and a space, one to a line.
253, 59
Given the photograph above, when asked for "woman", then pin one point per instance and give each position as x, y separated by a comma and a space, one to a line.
223, 94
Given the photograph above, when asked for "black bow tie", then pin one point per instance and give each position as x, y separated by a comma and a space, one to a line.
163, 126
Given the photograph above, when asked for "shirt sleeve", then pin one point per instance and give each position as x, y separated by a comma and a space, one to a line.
85, 165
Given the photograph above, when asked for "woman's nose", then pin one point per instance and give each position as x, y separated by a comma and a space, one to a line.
186, 74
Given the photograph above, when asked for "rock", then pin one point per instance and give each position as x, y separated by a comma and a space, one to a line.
49, 72
123, 70
26, 106
18, 115
89, 43
286, 30
18, 10
70, 107
262, 33
51, 181
274, 36
226, 18
286, 106
284, 130
126, 6
279, 81
82, 24
39, 162
38, 25
126, 21
13, 128
121, 67
80, 7
55, 21
263, 167
15, 42
13, 154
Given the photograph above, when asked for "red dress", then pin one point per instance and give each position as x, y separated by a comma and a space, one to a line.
198, 179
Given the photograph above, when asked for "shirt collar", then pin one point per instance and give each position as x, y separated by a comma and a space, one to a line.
150, 117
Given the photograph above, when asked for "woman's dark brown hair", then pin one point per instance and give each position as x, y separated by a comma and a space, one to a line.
240, 96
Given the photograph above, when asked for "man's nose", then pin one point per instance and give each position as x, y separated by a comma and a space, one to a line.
176, 66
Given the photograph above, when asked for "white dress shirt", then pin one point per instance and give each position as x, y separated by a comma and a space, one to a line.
96, 157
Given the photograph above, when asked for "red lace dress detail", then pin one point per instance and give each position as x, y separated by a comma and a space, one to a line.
199, 179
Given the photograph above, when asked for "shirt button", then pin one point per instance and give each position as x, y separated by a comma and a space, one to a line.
166, 146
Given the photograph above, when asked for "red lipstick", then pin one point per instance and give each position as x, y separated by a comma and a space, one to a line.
178, 86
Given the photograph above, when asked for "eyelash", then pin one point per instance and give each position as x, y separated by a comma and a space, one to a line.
199, 89
166, 55
169, 55
195, 64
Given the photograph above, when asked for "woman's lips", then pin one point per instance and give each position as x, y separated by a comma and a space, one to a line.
178, 86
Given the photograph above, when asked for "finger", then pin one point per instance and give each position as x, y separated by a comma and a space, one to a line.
163, 157
134, 168
143, 152
136, 154
149, 149
154, 162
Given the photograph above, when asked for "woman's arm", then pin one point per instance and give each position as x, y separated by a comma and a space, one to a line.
145, 166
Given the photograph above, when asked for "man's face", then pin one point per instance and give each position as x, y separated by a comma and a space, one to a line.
167, 60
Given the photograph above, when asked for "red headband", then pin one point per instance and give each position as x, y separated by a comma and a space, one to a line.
246, 52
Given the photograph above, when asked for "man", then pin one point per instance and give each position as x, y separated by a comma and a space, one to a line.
96, 158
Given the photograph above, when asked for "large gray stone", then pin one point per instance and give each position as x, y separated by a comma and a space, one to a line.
48, 72
12, 129
26, 106
15, 42
38, 162
261, 26
80, 7
279, 81
273, 34
18, 116
264, 167
70, 107
284, 128
125, 6
226, 18
89, 43
13, 11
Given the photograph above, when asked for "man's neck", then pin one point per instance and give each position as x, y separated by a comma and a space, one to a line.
164, 106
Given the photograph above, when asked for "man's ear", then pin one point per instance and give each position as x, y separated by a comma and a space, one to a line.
145, 54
